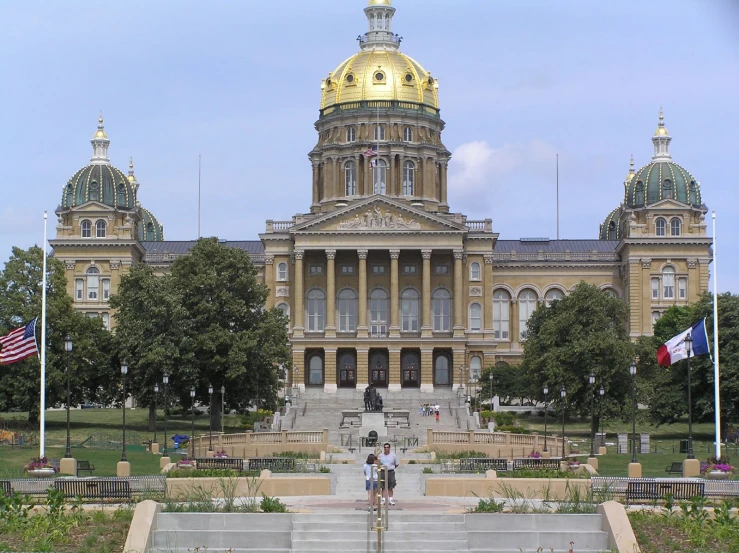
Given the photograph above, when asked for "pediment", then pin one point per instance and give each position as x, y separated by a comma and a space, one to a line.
380, 214
669, 204
93, 206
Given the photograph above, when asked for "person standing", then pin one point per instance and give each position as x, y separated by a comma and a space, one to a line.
370, 479
388, 459
437, 416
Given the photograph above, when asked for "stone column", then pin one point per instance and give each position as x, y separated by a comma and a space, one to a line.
443, 199
299, 368
362, 369
330, 294
329, 371
298, 315
427, 370
394, 370
426, 293
392, 185
269, 280
316, 199
513, 323
394, 294
640, 300
362, 330
459, 357
367, 177
459, 300
487, 291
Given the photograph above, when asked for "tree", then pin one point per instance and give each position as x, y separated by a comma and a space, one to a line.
583, 333
509, 381
20, 302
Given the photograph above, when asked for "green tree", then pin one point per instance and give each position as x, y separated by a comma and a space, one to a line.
584, 333
20, 302
509, 382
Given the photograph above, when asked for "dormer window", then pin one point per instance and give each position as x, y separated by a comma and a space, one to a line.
667, 189
612, 231
94, 191
639, 194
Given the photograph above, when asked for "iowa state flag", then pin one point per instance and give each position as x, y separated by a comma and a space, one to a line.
674, 349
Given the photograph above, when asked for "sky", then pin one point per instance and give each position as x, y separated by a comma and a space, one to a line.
238, 83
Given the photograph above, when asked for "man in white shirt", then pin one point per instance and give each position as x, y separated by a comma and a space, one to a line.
388, 459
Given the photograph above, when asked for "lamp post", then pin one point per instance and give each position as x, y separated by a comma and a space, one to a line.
68, 349
156, 394
223, 405
124, 372
563, 395
546, 394
602, 392
632, 372
192, 432
461, 373
689, 351
591, 381
210, 417
165, 381
490, 377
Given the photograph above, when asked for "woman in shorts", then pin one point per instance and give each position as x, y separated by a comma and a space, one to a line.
370, 479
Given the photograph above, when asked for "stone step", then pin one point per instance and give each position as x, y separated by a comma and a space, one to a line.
531, 522
225, 521
221, 538
218, 550
530, 541
390, 544
300, 536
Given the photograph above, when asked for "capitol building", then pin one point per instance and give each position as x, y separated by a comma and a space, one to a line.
382, 281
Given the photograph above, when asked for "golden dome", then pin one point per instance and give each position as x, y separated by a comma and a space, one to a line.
379, 75
100, 133
379, 3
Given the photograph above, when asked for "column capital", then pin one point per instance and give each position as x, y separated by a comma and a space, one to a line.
362, 254
426, 254
394, 254
646, 263
330, 254
692, 262
488, 259
458, 254
269, 259
299, 254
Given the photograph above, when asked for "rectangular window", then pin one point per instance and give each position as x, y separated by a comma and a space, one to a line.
347, 270
379, 269
655, 288
655, 318
410, 269
682, 288
106, 289
668, 286
106, 321
79, 286
441, 269
315, 270
93, 283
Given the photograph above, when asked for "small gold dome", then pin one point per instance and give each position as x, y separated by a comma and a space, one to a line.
661, 131
100, 133
379, 3
379, 75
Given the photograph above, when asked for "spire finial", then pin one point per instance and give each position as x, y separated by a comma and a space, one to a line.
631, 164
101, 129
661, 130
100, 144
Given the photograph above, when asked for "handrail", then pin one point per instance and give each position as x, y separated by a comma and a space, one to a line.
292, 421
305, 407
450, 407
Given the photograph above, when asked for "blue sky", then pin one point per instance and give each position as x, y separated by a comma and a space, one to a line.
239, 83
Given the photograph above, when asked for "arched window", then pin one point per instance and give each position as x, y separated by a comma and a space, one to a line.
409, 307
372, 23
553, 295
475, 368
315, 310
379, 176
378, 312
315, 370
668, 283
282, 271
610, 292
407, 134
475, 271
379, 132
442, 310
441, 370
100, 228
350, 178
347, 306
93, 283
675, 227
660, 226
86, 229
526, 306
94, 192
409, 174
612, 230
501, 314
639, 194
285, 309
351, 134
667, 189
475, 317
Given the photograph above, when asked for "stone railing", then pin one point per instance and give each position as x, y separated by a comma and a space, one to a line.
262, 444
555, 256
494, 444
279, 226
485, 225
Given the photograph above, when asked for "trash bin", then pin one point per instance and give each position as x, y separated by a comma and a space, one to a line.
684, 446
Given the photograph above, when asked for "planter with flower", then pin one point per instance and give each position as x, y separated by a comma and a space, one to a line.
717, 469
186, 464
40, 467
220, 455
573, 464
534, 455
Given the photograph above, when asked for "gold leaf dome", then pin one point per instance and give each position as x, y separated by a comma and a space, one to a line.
379, 3
379, 75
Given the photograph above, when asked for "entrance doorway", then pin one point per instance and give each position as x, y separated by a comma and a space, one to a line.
347, 369
410, 369
442, 368
378, 369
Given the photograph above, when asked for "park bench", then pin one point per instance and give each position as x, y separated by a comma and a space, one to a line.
223, 463
653, 490
531, 463
274, 464
94, 489
5, 487
479, 464
85, 466
674, 468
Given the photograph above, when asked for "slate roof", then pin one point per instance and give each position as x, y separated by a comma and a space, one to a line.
252, 247
531, 245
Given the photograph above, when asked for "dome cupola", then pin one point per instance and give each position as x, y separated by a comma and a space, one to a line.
610, 228
148, 228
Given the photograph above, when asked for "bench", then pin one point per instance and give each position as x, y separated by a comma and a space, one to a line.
94, 489
274, 464
85, 466
5, 487
222, 463
531, 463
653, 490
674, 468
479, 464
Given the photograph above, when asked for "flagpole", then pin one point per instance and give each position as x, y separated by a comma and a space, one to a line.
42, 399
715, 344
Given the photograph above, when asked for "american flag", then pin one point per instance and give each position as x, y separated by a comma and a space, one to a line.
19, 344
370, 152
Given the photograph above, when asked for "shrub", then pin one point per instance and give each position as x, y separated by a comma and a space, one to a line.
427, 470
272, 505
462, 455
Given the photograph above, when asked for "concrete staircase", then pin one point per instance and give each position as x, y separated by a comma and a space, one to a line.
350, 480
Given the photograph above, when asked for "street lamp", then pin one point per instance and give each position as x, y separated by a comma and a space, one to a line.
490, 377
223, 405
68, 349
689, 351
192, 433
632, 372
546, 394
124, 372
591, 381
602, 392
461, 373
165, 381
156, 394
563, 395
210, 417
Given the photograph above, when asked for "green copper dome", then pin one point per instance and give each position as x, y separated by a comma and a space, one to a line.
100, 183
149, 229
662, 180
610, 229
